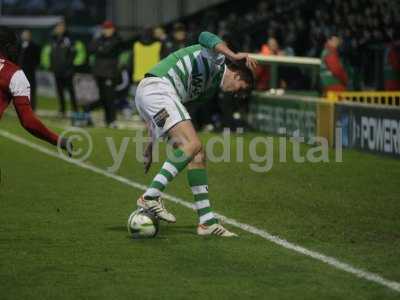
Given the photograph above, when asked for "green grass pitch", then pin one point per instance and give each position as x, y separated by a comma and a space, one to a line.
63, 234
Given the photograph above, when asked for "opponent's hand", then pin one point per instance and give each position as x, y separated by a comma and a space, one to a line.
148, 157
245, 58
66, 145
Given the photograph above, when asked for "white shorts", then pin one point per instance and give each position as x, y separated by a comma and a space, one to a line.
159, 105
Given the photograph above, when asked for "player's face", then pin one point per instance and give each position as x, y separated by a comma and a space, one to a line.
235, 85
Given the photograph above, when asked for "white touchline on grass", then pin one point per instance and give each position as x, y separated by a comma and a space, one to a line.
245, 227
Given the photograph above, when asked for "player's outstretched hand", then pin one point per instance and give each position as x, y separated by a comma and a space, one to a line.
148, 157
245, 58
66, 145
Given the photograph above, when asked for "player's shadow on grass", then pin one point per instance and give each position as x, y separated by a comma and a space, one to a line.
177, 229
165, 230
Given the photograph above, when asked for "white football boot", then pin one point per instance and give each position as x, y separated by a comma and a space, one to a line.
215, 229
157, 208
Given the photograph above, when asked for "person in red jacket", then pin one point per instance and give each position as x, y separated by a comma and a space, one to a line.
15, 88
332, 73
263, 72
392, 65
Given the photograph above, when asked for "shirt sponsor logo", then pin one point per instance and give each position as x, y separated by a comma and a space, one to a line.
197, 85
161, 117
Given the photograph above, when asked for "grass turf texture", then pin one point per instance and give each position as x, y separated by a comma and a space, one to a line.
63, 234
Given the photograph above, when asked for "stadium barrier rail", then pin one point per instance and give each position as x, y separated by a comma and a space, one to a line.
312, 64
374, 98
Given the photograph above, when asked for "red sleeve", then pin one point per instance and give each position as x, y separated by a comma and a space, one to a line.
31, 123
335, 66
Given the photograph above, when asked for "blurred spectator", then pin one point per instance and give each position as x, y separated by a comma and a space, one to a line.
29, 60
332, 73
62, 57
392, 64
271, 47
146, 54
106, 50
264, 72
123, 85
179, 40
160, 34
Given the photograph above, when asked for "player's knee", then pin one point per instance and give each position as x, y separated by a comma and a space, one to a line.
194, 147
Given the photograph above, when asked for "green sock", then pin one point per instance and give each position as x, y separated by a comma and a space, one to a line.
198, 182
170, 169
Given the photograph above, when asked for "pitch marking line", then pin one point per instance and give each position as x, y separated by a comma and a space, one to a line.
393, 285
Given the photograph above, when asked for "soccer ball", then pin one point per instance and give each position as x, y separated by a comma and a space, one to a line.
142, 224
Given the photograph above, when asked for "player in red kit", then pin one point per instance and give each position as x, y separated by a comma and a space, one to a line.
15, 88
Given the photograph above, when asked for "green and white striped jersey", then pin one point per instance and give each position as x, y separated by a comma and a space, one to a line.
196, 71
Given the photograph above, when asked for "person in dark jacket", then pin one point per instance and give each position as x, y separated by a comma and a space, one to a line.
106, 50
179, 40
29, 59
62, 64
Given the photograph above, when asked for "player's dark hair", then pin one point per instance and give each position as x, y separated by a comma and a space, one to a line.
9, 46
245, 73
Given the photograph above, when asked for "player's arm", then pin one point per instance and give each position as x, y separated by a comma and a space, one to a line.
20, 91
212, 41
30, 122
